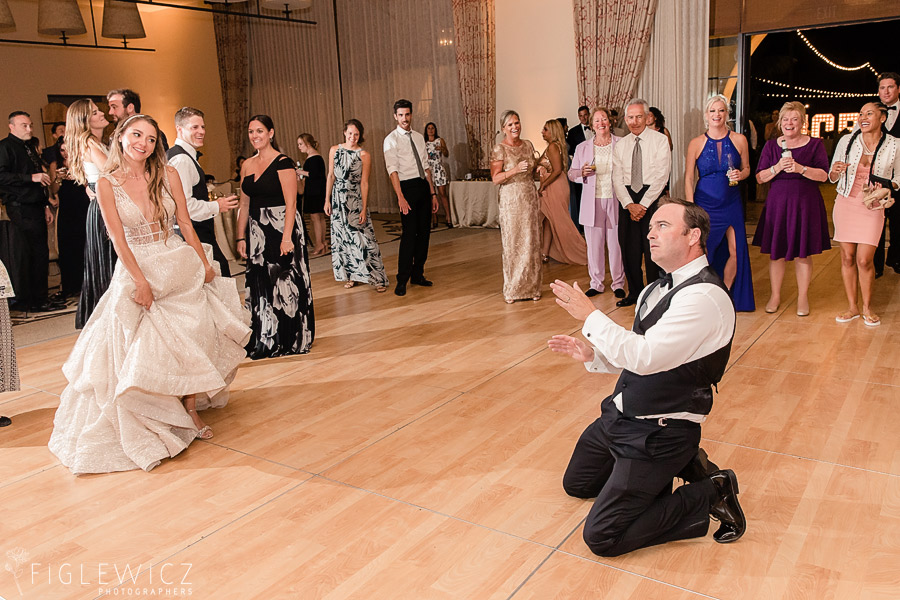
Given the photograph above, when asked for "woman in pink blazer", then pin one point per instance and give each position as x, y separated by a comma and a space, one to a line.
592, 167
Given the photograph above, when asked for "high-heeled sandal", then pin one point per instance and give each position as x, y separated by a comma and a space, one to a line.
205, 433
349, 285
381, 289
544, 258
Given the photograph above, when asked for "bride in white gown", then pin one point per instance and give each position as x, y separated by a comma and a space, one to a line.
167, 336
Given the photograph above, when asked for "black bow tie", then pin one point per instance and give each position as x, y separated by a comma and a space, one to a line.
894, 107
586, 128
665, 279
199, 154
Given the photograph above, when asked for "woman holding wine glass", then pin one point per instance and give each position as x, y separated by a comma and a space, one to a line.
721, 157
793, 224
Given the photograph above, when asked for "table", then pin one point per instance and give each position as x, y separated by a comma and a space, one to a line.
474, 204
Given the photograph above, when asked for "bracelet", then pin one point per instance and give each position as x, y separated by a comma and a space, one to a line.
241, 240
773, 171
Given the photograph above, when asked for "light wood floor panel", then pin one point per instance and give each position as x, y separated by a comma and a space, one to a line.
442, 425
473, 460
325, 540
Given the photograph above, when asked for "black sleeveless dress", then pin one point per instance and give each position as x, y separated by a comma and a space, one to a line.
278, 286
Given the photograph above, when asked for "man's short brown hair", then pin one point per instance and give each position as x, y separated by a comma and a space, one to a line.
185, 113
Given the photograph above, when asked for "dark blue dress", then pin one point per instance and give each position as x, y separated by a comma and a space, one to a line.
723, 203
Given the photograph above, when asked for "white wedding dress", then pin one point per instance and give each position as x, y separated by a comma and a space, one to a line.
130, 367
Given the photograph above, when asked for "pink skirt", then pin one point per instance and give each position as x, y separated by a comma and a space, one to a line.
854, 223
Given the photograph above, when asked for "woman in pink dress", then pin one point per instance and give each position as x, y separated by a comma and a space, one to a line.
865, 159
560, 239
592, 168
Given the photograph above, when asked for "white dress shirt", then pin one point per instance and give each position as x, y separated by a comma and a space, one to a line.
655, 165
398, 156
892, 115
699, 321
588, 132
199, 210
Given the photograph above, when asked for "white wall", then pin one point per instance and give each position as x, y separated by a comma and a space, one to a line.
183, 71
536, 63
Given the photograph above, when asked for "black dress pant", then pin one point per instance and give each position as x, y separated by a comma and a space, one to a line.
31, 229
416, 233
629, 466
206, 233
635, 247
892, 225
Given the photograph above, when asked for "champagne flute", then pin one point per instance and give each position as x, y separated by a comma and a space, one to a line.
732, 181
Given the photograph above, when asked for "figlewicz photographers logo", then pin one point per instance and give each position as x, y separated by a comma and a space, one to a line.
15, 564
107, 579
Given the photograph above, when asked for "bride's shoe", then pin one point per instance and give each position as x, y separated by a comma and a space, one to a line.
204, 434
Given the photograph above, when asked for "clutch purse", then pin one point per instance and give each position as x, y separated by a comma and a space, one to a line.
878, 198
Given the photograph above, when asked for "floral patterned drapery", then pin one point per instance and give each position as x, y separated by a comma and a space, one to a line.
234, 75
611, 39
476, 55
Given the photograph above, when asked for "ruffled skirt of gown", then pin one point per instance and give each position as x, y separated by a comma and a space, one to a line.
122, 408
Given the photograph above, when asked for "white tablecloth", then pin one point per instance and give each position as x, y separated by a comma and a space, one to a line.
474, 204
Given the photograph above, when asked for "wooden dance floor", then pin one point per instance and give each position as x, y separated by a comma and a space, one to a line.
417, 452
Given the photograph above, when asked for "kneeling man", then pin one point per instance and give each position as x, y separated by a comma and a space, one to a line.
649, 429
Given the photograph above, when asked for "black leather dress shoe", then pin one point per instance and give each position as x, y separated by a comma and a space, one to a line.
421, 281
400, 290
592, 292
619, 293
727, 510
48, 306
699, 468
626, 302
4, 421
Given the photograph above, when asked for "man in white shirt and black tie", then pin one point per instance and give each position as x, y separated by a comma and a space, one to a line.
407, 164
649, 429
641, 163
889, 94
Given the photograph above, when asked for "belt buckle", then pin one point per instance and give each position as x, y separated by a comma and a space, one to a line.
662, 421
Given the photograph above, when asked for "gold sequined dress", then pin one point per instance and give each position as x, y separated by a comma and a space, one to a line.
130, 367
520, 224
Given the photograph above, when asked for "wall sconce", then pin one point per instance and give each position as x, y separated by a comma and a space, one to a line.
286, 6
59, 17
122, 20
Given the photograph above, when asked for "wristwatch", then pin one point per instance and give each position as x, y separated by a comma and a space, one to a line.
803, 172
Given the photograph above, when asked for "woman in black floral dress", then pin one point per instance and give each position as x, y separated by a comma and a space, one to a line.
355, 256
277, 278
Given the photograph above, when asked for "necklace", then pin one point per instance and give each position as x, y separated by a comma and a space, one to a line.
129, 176
866, 150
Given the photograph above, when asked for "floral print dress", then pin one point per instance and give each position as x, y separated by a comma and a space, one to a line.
278, 287
355, 255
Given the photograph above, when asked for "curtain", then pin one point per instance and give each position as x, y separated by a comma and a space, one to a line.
392, 49
477, 66
611, 39
675, 74
234, 76
294, 78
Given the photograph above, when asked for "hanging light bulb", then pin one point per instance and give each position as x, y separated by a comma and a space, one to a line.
60, 17
286, 6
122, 20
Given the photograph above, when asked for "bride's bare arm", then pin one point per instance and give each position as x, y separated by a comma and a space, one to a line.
107, 203
184, 221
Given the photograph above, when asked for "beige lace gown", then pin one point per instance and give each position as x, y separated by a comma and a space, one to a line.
126, 375
520, 224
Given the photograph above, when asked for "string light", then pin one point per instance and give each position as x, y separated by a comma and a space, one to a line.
825, 96
824, 93
865, 65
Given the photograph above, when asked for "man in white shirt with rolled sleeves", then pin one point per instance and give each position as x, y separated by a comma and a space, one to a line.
407, 165
641, 164
649, 429
183, 156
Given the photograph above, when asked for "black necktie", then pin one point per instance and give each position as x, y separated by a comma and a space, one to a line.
665, 279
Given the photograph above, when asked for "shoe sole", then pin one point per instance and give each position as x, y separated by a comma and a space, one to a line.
842, 320
872, 323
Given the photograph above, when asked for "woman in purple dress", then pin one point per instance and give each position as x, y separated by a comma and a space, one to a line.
793, 224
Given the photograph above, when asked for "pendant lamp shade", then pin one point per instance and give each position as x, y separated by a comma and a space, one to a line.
60, 17
6, 19
286, 5
122, 20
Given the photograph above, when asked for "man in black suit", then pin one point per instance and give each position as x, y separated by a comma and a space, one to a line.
888, 93
575, 136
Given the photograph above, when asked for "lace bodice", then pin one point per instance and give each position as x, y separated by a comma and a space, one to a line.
138, 231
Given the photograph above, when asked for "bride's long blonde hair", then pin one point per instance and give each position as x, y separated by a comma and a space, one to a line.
155, 166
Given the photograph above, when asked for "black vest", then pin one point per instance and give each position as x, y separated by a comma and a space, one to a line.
205, 229
687, 387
